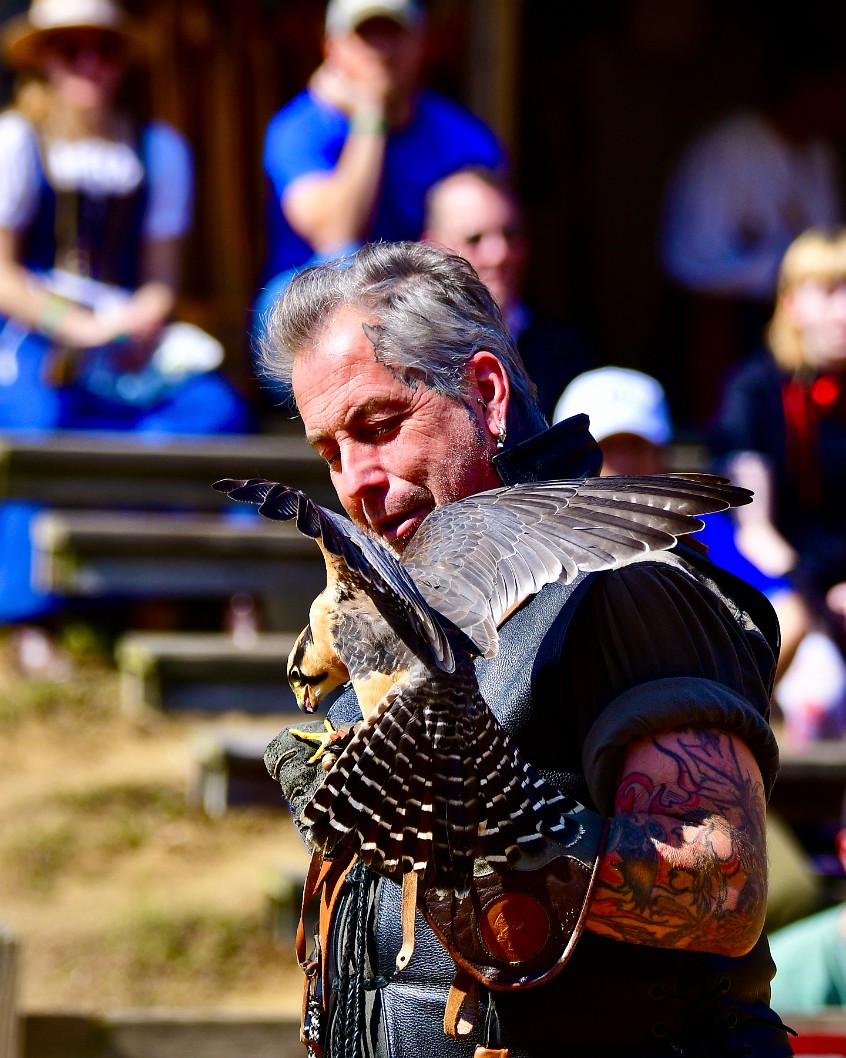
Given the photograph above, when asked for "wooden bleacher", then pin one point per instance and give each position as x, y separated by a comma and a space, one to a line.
189, 555
125, 517
210, 672
229, 769
76, 469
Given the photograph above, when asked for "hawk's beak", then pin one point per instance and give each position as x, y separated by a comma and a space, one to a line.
306, 704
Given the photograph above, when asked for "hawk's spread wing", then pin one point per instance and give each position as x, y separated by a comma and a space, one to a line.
475, 559
364, 556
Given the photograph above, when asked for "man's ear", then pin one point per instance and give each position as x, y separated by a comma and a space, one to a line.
490, 389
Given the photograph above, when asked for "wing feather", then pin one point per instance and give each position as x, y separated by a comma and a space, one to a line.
464, 557
471, 561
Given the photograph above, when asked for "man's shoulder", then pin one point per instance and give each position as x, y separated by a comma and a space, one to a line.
450, 115
715, 587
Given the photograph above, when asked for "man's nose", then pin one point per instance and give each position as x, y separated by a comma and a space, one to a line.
361, 470
494, 248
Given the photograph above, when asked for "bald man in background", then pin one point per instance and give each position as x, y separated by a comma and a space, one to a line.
475, 213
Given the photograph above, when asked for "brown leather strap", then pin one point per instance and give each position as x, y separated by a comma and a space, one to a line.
409, 906
332, 885
317, 869
462, 1006
325, 876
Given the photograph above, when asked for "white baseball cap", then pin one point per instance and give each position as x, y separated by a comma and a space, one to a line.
345, 16
618, 400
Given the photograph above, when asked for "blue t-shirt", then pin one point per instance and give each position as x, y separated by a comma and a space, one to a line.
307, 136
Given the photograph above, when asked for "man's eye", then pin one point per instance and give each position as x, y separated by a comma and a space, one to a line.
382, 429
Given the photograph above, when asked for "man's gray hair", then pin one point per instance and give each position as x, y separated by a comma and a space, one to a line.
433, 312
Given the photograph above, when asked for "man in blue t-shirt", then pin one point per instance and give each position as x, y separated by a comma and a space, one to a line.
351, 157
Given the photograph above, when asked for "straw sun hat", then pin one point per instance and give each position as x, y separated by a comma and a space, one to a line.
22, 39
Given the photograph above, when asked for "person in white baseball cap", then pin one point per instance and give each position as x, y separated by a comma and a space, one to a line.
345, 16
629, 417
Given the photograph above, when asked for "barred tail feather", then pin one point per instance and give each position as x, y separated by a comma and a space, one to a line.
432, 789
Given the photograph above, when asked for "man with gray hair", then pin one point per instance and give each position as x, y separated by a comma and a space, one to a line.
641, 691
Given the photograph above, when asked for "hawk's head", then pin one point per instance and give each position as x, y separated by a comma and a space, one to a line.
314, 668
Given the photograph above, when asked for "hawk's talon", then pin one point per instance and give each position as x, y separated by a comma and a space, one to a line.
323, 739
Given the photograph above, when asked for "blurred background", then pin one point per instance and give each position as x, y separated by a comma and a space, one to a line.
596, 100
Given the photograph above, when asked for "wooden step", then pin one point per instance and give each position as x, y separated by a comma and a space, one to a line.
133, 555
161, 1034
83, 469
208, 672
230, 771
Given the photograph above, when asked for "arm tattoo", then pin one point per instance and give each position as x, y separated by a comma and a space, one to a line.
686, 860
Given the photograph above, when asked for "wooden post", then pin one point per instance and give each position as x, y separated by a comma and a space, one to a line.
493, 66
8, 994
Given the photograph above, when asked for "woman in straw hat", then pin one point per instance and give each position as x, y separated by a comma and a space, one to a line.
94, 208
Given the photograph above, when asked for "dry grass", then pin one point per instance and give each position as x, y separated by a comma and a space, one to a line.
121, 892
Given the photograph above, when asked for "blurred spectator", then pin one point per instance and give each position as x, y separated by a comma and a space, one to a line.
350, 158
94, 207
782, 432
474, 213
810, 956
741, 193
630, 419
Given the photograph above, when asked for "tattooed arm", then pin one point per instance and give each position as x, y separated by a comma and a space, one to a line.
685, 865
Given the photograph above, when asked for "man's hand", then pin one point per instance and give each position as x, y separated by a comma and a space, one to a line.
686, 863
354, 79
766, 548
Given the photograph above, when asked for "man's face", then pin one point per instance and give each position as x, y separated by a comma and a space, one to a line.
380, 47
482, 224
395, 451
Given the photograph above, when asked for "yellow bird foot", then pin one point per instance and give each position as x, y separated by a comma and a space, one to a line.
323, 740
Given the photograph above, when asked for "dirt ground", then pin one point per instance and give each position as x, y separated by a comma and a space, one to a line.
122, 893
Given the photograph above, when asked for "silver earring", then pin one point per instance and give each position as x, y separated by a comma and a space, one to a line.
500, 441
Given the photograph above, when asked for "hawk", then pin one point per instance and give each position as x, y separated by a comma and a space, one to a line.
430, 782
